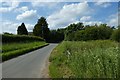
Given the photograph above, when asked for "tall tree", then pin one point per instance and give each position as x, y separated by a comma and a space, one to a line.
71, 29
22, 30
41, 28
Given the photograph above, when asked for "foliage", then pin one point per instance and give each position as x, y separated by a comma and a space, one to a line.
71, 29
116, 35
11, 50
100, 32
19, 38
85, 59
105, 31
41, 28
22, 30
56, 35
8, 33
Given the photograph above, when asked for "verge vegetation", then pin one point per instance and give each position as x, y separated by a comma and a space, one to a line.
15, 45
85, 59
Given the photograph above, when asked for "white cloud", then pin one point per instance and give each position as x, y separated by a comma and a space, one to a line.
22, 9
103, 4
11, 27
27, 15
1, 27
9, 6
85, 18
29, 27
92, 22
68, 14
113, 20
44, 4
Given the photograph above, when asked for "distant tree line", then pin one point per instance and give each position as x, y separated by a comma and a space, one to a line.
74, 32
56, 35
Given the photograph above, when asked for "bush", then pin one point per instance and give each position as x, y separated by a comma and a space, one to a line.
104, 32
70, 37
116, 35
80, 35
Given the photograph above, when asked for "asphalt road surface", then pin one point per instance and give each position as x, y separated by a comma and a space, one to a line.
29, 65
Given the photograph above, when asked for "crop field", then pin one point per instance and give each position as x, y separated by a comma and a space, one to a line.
85, 59
10, 50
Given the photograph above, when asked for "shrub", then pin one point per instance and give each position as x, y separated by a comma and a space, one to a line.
116, 35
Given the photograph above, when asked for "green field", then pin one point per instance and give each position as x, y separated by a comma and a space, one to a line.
84, 59
10, 50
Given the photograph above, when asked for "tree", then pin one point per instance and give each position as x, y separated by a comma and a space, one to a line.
105, 31
22, 30
78, 32
71, 29
41, 28
56, 35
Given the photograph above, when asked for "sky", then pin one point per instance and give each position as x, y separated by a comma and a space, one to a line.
57, 14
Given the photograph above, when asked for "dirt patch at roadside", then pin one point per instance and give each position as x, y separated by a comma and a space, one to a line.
45, 71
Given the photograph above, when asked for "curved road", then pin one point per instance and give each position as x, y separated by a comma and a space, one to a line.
29, 65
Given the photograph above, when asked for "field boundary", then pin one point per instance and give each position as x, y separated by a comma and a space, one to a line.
13, 54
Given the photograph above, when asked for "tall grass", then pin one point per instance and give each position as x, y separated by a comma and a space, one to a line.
11, 50
91, 59
17, 46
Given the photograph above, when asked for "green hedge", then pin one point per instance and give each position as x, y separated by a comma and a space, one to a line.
19, 38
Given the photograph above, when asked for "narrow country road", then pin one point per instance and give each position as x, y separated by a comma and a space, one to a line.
29, 65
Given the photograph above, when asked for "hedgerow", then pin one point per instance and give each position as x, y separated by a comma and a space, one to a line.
19, 38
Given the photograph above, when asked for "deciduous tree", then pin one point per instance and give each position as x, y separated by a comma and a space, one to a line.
41, 28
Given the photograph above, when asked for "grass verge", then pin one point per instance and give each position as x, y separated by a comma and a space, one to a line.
11, 50
80, 59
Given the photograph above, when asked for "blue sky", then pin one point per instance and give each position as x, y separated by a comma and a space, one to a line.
57, 14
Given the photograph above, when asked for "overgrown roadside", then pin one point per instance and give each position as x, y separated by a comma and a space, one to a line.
84, 59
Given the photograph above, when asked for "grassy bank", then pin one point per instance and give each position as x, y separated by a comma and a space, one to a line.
11, 50
91, 59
